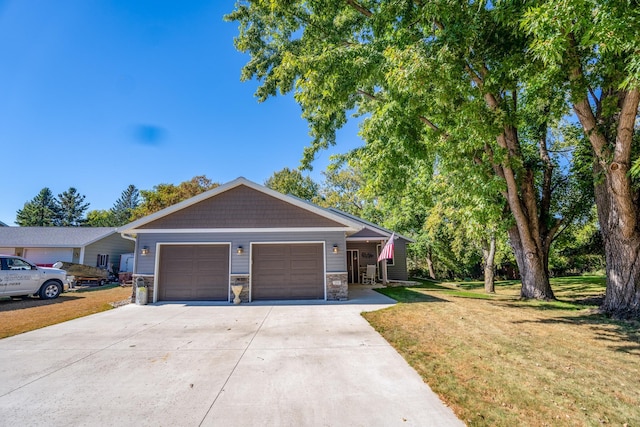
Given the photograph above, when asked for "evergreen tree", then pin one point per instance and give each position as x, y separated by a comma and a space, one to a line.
71, 208
124, 206
41, 211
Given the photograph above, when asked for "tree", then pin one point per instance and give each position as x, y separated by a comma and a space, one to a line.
71, 208
291, 181
438, 77
165, 195
41, 211
590, 49
100, 218
341, 187
125, 205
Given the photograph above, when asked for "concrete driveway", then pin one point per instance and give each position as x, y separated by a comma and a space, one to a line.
275, 364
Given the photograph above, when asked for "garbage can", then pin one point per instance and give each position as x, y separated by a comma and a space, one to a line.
141, 292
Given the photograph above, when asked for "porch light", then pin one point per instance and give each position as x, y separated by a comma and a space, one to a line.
335, 249
144, 250
239, 251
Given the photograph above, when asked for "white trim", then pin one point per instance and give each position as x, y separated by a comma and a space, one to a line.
350, 224
156, 268
367, 239
240, 230
357, 279
324, 260
370, 225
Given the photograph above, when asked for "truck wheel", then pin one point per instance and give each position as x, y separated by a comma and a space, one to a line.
50, 290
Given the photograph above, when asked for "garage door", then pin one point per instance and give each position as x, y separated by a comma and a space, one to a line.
48, 256
193, 272
287, 271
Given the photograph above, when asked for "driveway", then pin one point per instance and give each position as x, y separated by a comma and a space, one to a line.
275, 364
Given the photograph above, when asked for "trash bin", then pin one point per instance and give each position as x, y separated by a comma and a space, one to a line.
141, 292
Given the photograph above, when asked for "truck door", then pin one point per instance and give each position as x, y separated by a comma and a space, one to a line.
21, 277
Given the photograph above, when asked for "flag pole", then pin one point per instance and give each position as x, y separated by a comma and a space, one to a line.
384, 271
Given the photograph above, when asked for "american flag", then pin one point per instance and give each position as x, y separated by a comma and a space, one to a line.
387, 251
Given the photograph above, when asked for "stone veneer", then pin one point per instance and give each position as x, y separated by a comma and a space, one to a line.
237, 279
337, 287
149, 281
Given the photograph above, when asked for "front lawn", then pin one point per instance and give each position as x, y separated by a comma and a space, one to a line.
497, 360
18, 316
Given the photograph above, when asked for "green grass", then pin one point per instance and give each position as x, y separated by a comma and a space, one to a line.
498, 360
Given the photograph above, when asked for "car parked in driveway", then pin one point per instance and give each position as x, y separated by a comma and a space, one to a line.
20, 278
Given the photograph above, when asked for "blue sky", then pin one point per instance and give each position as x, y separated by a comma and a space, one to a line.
98, 95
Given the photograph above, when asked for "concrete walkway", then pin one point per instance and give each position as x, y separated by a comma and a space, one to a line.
275, 364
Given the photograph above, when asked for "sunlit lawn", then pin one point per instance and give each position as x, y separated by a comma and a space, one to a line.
497, 360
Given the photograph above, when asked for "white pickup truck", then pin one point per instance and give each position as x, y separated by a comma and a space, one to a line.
19, 278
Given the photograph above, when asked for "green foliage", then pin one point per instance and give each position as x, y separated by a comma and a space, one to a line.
71, 208
342, 188
165, 195
100, 218
123, 208
41, 211
291, 181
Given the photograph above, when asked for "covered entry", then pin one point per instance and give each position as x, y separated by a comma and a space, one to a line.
193, 272
287, 271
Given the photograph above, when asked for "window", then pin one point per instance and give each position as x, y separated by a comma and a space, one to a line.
103, 261
16, 264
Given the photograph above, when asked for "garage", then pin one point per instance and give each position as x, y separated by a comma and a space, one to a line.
48, 256
193, 272
287, 271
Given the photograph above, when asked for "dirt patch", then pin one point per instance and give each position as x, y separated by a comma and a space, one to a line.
18, 316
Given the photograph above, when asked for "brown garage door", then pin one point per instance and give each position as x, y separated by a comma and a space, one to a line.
193, 272
287, 271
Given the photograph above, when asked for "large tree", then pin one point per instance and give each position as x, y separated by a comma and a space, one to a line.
71, 208
291, 181
165, 195
590, 48
442, 77
123, 208
41, 211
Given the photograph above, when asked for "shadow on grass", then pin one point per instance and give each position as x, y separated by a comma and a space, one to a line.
624, 336
8, 304
408, 295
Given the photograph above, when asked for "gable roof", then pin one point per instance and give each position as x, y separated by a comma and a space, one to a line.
157, 221
370, 230
60, 237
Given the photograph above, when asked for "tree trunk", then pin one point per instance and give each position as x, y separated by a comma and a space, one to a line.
432, 272
622, 254
488, 256
533, 271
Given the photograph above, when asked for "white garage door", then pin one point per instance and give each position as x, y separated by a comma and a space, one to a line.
8, 251
46, 256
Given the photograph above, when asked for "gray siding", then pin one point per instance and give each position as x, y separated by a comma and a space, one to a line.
114, 245
241, 207
397, 271
240, 264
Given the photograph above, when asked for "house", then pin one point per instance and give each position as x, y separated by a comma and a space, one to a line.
2, 224
276, 246
93, 246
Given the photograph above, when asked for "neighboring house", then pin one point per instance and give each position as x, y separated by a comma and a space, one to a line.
277, 246
93, 246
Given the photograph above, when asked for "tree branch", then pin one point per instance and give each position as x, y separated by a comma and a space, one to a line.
429, 123
357, 6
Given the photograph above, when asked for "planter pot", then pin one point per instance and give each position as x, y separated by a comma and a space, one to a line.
141, 296
237, 289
